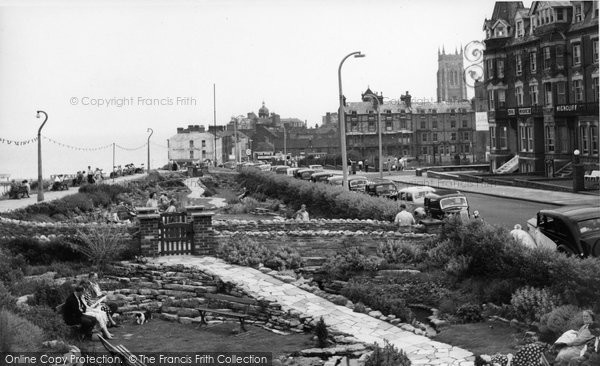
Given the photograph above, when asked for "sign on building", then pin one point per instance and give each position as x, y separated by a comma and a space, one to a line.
481, 121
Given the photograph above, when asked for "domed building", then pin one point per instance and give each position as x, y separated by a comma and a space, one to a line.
263, 112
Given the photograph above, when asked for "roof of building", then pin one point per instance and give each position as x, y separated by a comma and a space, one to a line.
365, 107
506, 10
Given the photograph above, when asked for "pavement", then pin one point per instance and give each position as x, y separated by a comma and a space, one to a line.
13, 204
420, 349
519, 193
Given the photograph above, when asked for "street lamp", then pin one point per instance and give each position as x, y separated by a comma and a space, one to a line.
151, 132
578, 173
343, 122
373, 96
40, 195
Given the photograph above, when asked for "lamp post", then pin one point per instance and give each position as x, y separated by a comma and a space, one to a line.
373, 96
284, 142
578, 173
343, 122
151, 132
40, 194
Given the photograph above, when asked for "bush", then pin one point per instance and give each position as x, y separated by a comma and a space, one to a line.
531, 303
469, 313
51, 295
37, 252
11, 267
378, 297
100, 244
399, 251
322, 333
360, 308
350, 262
18, 334
561, 319
48, 320
246, 251
283, 258
7, 300
389, 355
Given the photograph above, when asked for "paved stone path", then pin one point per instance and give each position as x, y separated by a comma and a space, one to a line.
421, 350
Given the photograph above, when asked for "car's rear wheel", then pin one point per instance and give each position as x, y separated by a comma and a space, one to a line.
566, 250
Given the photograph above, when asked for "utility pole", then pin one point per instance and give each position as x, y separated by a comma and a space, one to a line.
215, 119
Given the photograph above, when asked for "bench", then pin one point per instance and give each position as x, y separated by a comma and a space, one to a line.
127, 358
216, 299
16, 191
594, 176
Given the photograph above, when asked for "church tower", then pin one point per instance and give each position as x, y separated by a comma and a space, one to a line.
450, 77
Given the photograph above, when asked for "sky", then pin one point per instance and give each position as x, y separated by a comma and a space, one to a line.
107, 71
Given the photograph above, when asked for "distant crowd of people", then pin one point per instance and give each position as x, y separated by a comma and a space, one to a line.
162, 203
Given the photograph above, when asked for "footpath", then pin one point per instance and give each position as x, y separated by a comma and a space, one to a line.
421, 350
13, 204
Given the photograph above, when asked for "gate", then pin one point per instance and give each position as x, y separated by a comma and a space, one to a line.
176, 234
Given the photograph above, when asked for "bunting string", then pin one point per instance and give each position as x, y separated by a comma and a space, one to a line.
77, 147
131, 149
158, 145
17, 143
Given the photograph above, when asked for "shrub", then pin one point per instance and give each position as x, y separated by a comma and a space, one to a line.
100, 244
283, 258
11, 267
360, 308
51, 295
531, 303
399, 251
377, 297
18, 334
350, 262
47, 319
469, 313
246, 251
389, 355
7, 301
43, 252
322, 333
561, 319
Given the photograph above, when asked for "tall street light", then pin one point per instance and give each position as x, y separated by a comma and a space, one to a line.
374, 97
40, 194
151, 132
343, 122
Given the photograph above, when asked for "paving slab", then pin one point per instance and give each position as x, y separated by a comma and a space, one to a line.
420, 349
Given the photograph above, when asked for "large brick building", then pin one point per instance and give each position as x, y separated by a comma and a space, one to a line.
541, 80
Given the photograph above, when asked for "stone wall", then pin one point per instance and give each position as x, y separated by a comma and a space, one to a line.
175, 293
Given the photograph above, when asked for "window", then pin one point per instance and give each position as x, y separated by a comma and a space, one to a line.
371, 126
423, 125
453, 112
583, 139
523, 135
594, 136
203, 154
435, 137
576, 54
595, 49
491, 105
452, 124
490, 69
434, 124
533, 91
203, 143
519, 95
547, 59
500, 65
548, 93
191, 154
578, 17
529, 138
595, 89
388, 125
518, 64
578, 90
549, 138
501, 99
466, 136
560, 57
533, 62
424, 150
502, 138
559, 15
191, 144
493, 137
560, 91
465, 123
453, 136
520, 29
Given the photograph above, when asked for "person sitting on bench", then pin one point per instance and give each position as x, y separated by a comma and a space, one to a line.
74, 313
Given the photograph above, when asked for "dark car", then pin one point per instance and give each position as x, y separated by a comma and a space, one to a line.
382, 188
570, 229
320, 177
443, 203
303, 174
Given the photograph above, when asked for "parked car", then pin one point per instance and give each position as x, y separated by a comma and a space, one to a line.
355, 182
280, 169
292, 171
303, 174
320, 177
315, 167
414, 196
570, 229
444, 202
264, 167
382, 188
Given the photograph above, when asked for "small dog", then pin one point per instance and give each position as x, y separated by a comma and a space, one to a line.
142, 317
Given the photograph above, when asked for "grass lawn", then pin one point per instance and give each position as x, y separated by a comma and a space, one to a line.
480, 338
164, 336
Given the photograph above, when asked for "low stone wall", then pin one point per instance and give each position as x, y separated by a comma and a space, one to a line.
11, 229
175, 293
